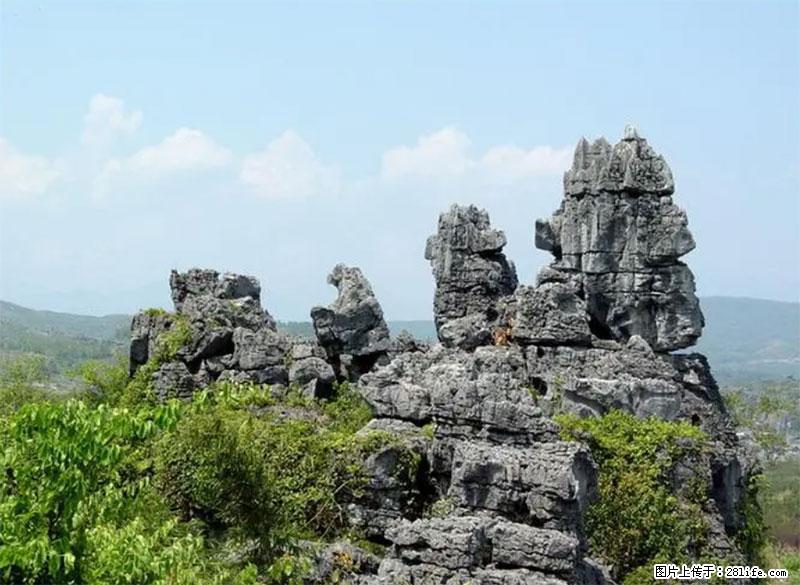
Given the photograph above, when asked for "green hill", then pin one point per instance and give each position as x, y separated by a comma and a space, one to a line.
64, 339
751, 339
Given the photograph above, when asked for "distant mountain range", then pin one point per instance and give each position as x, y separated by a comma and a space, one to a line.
746, 340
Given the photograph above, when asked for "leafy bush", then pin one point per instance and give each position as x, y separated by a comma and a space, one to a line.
65, 472
104, 381
241, 460
637, 518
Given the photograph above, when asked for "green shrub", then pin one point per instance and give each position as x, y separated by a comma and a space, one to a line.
780, 499
273, 471
103, 381
138, 393
172, 340
22, 380
65, 473
637, 519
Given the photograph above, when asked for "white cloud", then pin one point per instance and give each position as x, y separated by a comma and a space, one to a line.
442, 153
288, 167
186, 150
511, 163
446, 154
22, 175
106, 119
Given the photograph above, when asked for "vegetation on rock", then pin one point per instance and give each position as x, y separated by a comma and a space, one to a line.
642, 514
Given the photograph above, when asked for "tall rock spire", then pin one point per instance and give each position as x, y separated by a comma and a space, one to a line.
618, 229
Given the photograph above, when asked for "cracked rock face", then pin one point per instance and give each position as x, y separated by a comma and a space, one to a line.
231, 337
472, 275
618, 229
352, 329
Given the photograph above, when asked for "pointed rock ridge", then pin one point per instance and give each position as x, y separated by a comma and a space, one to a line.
352, 329
472, 275
619, 232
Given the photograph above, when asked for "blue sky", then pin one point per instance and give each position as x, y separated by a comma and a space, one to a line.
279, 139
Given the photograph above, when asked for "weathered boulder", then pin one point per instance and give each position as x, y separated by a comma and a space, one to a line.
173, 380
314, 375
634, 378
352, 328
472, 275
230, 300
397, 476
547, 484
145, 329
230, 337
551, 313
484, 392
486, 550
618, 228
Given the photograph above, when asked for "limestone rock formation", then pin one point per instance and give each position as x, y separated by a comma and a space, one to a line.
352, 330
229, 335
618, 229
472, 275
474, 484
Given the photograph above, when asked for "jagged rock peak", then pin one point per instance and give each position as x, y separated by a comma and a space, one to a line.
233, 299
204, 281
354, 323
630, 166
472, 274
624, 241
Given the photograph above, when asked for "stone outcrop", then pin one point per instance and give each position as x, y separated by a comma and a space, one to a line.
474, 484
228, 336
352, 330
619, 231
472, 275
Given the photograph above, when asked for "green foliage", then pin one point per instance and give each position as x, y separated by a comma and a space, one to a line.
637, 519
104, 381
348, 412
21, 381
751, 537
271, 471
171, 341
780, 499
770, 414
442, 508
68, 471
111, 487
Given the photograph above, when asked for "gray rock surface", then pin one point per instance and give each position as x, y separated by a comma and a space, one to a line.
551, 313
173, 380
619, 230
231, 337
483, 549
353, 324
471, 274
352, 329
145, 329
